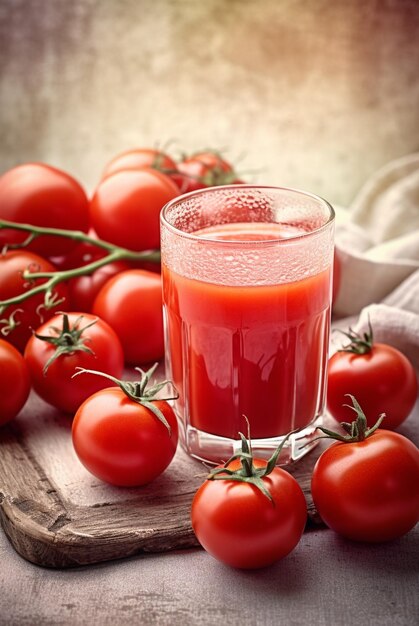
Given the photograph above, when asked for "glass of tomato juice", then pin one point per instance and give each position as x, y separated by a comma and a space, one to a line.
247, 276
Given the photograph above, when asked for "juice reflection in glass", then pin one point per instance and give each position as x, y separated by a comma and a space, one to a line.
247, 292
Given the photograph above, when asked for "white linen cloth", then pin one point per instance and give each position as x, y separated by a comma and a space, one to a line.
377, 242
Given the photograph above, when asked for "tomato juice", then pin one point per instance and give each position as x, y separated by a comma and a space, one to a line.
246, 273
254, 350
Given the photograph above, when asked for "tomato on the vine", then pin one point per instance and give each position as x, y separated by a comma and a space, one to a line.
14, 382
123, 435
204, 169
186, 182
38, 194
366, 486
131, 303
85, 252
138, 158
30, 313
61, 345
82, 290
249, 513
381, 378
126, 205
201, 163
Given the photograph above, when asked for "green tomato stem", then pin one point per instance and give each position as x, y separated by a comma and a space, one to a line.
357, 430
116, 253
67, 340
358, 344
137, 391
37, 231
247, 472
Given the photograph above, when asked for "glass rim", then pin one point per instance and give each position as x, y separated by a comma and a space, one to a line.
235, 242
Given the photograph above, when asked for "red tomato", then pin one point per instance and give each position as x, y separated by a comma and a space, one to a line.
35, 193
186, 183
202, 162
204, 172
14, 382
139, 158
126, 206
238, 525
120, 441
131, 303
31, 312
56, 385
83, 290
204, 169
368, 490
84, 253
383, 380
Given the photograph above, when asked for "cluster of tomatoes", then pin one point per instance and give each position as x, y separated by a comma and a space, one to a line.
123, 210
99, 318
71, 347
250, 513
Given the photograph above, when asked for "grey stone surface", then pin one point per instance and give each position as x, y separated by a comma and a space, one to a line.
316, 95
326, 581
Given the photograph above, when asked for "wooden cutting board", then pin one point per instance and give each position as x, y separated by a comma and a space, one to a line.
56, 514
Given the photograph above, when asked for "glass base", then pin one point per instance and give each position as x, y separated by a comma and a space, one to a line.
216, 450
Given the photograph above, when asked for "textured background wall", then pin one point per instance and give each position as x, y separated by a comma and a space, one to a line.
311, 93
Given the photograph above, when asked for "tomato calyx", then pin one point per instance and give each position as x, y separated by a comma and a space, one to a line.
357, 430
208, 168
218, 176
68, 339
139, 390
212, 178
248, 473
358, 344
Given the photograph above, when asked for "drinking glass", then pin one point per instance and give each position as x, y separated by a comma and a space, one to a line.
247, 273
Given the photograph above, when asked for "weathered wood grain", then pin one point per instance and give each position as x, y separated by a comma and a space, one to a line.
56, 514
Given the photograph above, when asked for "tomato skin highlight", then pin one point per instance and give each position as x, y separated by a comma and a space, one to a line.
38, 194
368, 490
137, 159
57, 387
132, 304
12, 265
383, 381
125, 208
14, 382
122, 442
238, 525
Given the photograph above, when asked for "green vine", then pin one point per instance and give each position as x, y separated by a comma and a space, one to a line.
115, 253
